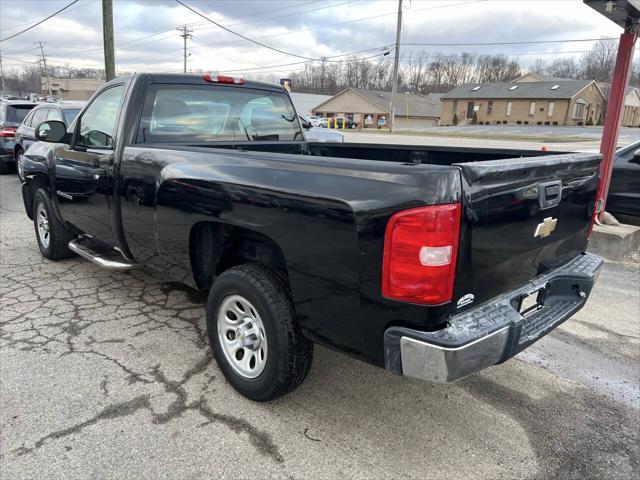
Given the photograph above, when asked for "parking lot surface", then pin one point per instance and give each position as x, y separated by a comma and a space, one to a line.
109, 375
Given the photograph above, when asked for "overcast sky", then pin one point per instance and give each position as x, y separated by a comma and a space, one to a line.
146, 38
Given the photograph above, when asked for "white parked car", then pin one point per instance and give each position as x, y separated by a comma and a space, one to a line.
317, 134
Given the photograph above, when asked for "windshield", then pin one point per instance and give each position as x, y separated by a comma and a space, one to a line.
70, 115
182, 113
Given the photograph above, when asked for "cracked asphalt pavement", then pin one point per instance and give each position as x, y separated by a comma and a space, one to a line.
109, 375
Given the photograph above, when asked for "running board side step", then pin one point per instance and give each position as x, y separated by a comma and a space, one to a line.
94, 257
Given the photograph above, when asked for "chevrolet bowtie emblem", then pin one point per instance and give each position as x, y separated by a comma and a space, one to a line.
545, 228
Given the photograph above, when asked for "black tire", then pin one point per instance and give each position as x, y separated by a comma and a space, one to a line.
19, 160
289, 353
6, 167
57, 246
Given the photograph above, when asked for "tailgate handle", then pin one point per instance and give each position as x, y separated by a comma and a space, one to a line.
549, 193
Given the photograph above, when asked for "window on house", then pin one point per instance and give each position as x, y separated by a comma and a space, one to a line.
509, 109
489, 107
514, 87
578, 109
532, 108
552, 109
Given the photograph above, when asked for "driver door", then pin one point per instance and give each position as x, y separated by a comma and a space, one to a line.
84, 170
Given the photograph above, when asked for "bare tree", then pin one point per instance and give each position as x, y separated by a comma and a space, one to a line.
599, 62
564, 68
539, 66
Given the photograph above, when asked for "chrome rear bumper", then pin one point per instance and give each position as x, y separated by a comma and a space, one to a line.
493, 331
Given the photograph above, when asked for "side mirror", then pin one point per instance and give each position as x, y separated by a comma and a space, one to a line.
307, 125
52, 131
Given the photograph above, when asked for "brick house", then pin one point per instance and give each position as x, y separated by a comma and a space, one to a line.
370, 108
631, 110
529, 100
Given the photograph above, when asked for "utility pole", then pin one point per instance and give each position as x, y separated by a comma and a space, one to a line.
396, 62
186, 34
46, 70
107, 38
1, 72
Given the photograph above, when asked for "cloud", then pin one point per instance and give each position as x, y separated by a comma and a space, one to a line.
147, 39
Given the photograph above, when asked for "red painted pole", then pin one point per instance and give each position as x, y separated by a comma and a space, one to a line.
615, 106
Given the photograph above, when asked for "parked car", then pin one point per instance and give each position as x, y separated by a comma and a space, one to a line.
12, 112
317, 134
342, 122
65, 112
399, 255
624, 191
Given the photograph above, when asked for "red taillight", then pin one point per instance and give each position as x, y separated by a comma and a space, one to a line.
223, 79
420, 250
8, 132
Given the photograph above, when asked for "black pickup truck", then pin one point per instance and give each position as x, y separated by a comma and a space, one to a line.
431, 262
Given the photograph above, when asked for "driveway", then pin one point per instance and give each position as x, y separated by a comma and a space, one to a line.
109, 375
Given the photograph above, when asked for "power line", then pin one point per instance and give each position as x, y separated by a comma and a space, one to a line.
524, 42
242, 36
38, 23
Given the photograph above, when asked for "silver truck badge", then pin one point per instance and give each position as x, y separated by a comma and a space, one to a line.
545, 227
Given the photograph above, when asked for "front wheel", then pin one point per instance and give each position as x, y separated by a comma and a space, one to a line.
254, 335
20, 165
52, 235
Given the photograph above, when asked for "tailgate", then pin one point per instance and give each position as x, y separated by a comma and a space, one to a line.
522, 217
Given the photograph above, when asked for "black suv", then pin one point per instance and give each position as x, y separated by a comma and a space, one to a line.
12, 112
64, 112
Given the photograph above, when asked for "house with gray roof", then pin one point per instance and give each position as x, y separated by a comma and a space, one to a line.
529, 100
370, 108
631, 110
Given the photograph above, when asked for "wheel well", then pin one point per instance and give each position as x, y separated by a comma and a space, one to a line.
29, 191
17, 149
216, 247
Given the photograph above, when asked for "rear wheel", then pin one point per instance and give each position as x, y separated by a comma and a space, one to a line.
52, 235
254, 334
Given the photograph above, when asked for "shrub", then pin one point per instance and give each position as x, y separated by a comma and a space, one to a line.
590, 122
580, 124
526, 122
538, 122
555, 122
518, 122
454, 120
547, 122
474, 118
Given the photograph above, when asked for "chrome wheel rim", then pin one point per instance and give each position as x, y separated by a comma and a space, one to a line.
242, 336
20, 166
42, 220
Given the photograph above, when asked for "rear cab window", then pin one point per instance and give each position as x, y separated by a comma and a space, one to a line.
16, 113
213, 113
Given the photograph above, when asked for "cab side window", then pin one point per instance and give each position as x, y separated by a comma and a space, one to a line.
97, 125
